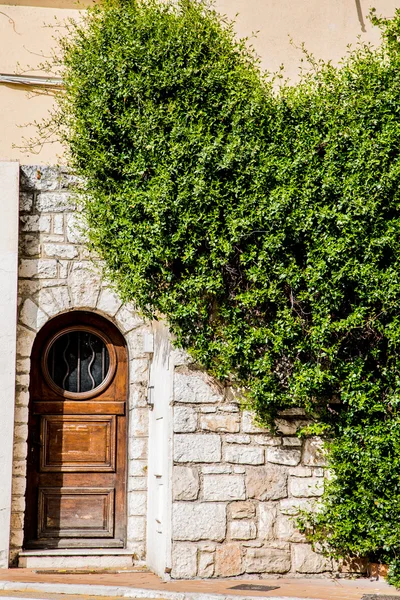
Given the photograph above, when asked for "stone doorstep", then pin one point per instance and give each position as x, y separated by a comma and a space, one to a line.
76, 558
126, 592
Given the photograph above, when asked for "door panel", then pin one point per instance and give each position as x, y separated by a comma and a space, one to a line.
78, 443
76, 480
76, 512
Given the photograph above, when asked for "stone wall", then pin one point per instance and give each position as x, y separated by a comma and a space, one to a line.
237, 489
56, 274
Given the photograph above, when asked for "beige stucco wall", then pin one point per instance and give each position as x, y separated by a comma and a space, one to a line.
326, 27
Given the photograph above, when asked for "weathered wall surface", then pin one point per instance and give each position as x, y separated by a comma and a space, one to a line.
236, 488
56, 274
27, 29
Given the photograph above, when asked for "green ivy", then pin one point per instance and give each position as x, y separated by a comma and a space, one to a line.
262, 220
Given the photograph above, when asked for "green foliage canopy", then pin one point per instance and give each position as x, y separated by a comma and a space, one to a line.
261, 221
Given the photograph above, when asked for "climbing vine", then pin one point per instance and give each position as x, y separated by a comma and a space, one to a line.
262, 220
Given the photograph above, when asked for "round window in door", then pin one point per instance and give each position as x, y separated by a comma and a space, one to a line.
79, 362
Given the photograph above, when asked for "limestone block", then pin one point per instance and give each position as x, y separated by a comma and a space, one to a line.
267, 440
193, 447
239, 469
16, 538
238, 439
318, 471
21, 432
54, 202
32, 316
229, 408
137, 468
127, 318
33, 177
244, 455
313, 454
29, 245
17, 520
19, 468
61, 296
18, 486
267, 518
35, 223
136, 529
300, 471
304, 487
290, 426
139, 370
206, 564
46, 301
292, 506
223, 487
184, 561
220, 423
215, 469
194, 521
18, 503
66, 251
25, 201
108, 302
286, 530
267, 560
76, 233
266, 483
228, 560
194, 387
242, 510
249, 425
307, 561
186, 483
63, 268
135, 341
20, 450
139, 422
283, 456
292, 441
185, 419
58, 224
137, 395
138, 550
41, 268
179, 357
22, 396
137, 504
25, 339
138, 448
137, 484
22, 380
84, 285
242, 530
21, 414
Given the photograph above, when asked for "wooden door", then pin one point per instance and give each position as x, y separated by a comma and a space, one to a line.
76, 485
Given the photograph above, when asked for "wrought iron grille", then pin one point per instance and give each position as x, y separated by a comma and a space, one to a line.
78, 361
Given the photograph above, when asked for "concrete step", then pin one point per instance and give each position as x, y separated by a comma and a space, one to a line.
76, 559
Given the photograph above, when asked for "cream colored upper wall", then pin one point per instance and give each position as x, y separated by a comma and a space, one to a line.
325, 26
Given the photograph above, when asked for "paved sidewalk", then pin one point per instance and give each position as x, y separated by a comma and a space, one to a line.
143, 584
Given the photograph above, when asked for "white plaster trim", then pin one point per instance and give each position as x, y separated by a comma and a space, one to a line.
9, 197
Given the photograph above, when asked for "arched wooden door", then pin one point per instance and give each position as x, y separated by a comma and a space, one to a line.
76, 481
